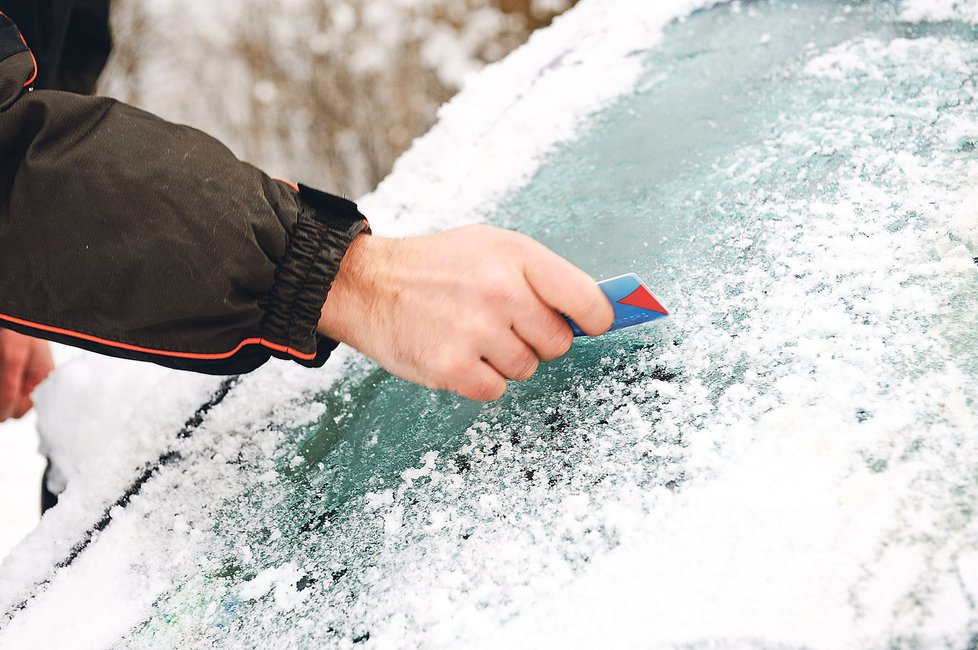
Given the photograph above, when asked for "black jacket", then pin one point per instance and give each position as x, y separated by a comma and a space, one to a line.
135, 237
70, 39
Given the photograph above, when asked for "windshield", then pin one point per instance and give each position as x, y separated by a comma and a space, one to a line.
784, 461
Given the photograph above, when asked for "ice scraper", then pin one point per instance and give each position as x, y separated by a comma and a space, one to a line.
633, 302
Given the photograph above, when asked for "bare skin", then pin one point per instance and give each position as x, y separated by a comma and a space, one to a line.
462, 310
24, 363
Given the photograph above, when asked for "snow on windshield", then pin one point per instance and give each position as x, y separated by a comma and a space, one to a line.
787, 461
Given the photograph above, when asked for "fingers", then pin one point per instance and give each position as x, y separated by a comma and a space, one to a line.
462, 310
37, 370
39, 366
511, 357
13, 359
544, 330
481, 383
484, 380
24, 405
24, 363
569, 290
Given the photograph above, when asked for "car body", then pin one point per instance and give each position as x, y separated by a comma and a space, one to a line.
786, 461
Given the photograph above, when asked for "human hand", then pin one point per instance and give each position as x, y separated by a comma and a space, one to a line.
24, 363
462, 310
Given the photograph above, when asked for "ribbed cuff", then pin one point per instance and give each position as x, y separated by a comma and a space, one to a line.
323, 232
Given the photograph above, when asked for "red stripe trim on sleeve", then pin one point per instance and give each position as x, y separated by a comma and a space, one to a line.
200, 356
289, 183
29, 51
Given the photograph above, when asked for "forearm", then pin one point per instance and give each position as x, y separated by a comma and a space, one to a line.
136, 237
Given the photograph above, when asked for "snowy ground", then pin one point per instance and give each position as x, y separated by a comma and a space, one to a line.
20, 478
21, 467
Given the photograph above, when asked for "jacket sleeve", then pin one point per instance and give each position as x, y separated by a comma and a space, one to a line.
130, 236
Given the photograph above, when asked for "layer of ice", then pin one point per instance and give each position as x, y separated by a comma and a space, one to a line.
786, 462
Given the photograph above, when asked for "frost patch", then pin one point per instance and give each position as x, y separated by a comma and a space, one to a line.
283, 580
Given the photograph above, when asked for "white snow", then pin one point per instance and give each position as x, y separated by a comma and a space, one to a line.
106, 417
543, 92
795, 514
783, 505
20, 478
355, 80
281, 581
939, 10
21, 468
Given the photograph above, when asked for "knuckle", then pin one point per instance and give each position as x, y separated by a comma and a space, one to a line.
479, 387
487, 390
11, 354
475, 333
435, 381
442, 372
485, 234
459, 369
497, 289
477, 393
598, 313
561, 341
451, 368
525, 366
514, 241
35, 376
8, 395
23, 409
590, 306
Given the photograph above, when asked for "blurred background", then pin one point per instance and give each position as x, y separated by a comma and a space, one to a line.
326, 92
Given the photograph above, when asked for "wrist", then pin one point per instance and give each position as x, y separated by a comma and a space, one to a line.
348, 301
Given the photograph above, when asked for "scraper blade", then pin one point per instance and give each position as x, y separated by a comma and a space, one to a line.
634, 304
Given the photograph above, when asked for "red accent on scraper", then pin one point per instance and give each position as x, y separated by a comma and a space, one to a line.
642, 299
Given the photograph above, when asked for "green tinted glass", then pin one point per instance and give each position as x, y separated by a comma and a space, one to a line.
789, 180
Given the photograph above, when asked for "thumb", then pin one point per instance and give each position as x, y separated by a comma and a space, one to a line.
568, 289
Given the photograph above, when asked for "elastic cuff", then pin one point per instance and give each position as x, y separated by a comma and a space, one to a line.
324, 230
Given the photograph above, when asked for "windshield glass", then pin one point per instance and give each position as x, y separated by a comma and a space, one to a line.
796, 183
